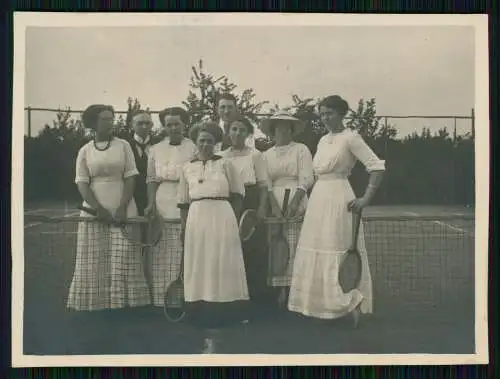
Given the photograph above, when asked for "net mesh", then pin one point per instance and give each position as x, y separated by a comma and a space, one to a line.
415, 262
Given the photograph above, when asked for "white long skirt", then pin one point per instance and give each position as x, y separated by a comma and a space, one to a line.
163, 260
214, 269
326, 235
109, 271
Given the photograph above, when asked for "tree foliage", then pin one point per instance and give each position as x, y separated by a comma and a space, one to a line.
204, 90
422, 168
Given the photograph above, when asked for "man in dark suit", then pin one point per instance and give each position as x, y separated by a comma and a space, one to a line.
141, 142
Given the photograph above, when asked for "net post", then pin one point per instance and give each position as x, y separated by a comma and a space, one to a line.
29, 121
473, 119
453, 163
386, 136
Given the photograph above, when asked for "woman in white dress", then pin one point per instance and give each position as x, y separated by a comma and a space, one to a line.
165, 162
210, 198
252, 169
109, 272
326, 231
290, 167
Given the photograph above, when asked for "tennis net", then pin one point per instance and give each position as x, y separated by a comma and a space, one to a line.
415, 261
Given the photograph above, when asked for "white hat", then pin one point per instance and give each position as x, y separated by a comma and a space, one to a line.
265, 125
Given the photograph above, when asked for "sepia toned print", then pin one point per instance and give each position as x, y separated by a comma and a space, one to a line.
308, 125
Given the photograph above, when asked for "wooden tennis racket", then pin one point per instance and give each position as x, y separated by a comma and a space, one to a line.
350, 269
248, 222
173, 300
151, 237
280, 249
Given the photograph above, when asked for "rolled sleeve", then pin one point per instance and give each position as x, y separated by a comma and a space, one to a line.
305, 169
365, 154
151, 176
236, 185
261, 173
183, 199
130, 168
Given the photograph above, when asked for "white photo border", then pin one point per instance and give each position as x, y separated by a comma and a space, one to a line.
22, 20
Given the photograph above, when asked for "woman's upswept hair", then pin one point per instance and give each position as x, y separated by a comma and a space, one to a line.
336, 103
91, 114
206, 126
245, 121
174, 111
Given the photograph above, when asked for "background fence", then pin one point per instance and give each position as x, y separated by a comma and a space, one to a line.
429, 161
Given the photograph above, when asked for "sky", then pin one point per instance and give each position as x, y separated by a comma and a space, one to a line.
409, 70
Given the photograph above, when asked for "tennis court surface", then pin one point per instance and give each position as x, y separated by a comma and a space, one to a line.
422, 265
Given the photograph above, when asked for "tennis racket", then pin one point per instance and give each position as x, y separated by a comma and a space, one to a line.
151, 237
281, 251
248, 222
173, 300
350, 269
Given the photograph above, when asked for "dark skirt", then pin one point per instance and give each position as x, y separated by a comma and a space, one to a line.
141, 194
255, 250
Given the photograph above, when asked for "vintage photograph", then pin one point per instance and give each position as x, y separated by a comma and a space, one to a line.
242, 186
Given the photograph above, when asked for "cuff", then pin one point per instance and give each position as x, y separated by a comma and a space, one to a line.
131, 173
82, 179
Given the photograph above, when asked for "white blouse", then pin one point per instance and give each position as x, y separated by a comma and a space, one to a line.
249, 164
165, 161
338, 153
113, 164
293, 161
216, 177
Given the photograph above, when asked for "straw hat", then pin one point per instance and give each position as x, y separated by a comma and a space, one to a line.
298, 126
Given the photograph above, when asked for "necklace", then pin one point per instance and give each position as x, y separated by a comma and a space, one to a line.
202, 179
105, 147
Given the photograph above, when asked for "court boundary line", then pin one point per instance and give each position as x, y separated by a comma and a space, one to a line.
443, 224
34, 211
33, 224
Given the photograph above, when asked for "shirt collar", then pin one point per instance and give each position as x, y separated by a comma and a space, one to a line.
214, 157
174, 144
140, 140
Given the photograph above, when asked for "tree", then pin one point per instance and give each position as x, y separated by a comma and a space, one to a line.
365, 120
201, 102
422, 168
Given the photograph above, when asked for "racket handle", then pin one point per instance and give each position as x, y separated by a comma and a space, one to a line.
285, 201
90, 211
356, 222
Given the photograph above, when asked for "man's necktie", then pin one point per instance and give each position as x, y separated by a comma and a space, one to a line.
226, 142
143, 148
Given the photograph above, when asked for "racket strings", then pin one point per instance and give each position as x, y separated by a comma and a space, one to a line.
175, 296
145, 235
247, 225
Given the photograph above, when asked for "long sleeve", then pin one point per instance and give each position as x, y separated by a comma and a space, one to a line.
305, 168
130, 167
364, 154
236, 185
82, 169
183, 199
